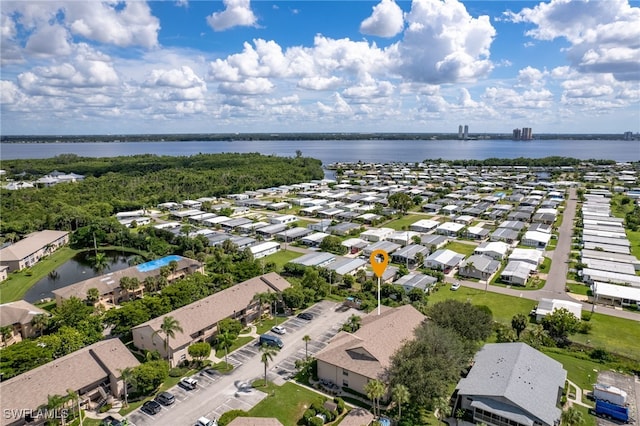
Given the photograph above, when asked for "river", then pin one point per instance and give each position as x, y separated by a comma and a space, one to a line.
343, 151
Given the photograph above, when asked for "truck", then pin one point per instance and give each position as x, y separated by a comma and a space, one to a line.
610, 394
614, 411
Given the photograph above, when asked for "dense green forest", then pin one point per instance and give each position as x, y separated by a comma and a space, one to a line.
125, 183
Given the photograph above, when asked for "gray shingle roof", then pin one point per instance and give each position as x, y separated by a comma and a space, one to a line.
518, 374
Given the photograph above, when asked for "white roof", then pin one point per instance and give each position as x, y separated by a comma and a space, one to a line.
547, 306
451, 226
378, 232
495, 246
264, 247
530, 255
616, 291
542, 237
426, 223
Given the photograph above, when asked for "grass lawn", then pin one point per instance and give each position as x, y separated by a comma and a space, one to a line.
405, 222
579, 371
287, 403
634, 239
282, 257
503, 307
18, 283
579, 289
614, 334
462, 248
546, 265
266, 324
240, 341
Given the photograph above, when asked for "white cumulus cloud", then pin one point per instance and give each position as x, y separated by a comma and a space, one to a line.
603, 34
444, 44
236, 13
385, 21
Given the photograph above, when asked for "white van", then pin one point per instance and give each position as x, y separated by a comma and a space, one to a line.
203, 421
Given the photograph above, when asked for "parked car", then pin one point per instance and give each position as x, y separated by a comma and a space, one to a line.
210, 371
188, 383
203, 421
110, 421
165, 398
455, 286
151, 407
278, 329
305, 316
269, 340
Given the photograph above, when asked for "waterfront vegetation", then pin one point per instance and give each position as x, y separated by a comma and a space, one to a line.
18, 283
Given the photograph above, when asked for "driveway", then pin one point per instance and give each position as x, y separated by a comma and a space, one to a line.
220, 393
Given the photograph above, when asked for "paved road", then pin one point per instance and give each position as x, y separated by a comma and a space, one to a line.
220, 393
557, 276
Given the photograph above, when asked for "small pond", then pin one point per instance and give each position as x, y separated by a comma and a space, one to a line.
75, 270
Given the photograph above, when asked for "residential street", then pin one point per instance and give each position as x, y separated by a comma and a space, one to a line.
557, 276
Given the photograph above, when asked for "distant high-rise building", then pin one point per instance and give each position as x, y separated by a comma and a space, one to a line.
460, 131
466, 132
517, 134
628, 136
524, 134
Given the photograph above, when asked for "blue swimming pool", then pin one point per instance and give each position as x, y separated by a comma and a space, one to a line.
384, 421
158, 263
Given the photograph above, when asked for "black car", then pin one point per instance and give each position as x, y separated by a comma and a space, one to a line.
210, 371
110, 421
151, 407
165, 398
305, 316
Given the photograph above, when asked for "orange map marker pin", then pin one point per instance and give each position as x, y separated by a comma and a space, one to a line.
377, 265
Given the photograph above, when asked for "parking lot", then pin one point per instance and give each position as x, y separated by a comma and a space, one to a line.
218, 393
627, 383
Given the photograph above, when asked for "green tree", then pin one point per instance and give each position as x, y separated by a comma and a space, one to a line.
261, 298
441, 407
375, 390
39, 322
127, 376
306, 339
353, 323
333, 244
400, 395
149, 376
559, 324
427, 364
267, 354
469, 321
519, 323
225, 341
6, 332
199, 350
93, 295
505, 334
169, 327
71, 312
572, 417
100, 262
400, 201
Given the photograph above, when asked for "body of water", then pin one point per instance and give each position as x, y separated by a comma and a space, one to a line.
75, 270
345, 151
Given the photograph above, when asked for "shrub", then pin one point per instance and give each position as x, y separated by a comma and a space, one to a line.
341, 405
308, 414
586, 316
600, 354
315, 421
177, 372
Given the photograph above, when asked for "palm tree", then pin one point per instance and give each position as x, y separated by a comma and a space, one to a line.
75, 397
261, 298
400, 395
40, 322
173, 267
93, 295
354, 323
572, 417
150, 284
306, 339
169, 327
519, 323
441, 406
6, 332
126, 286
100, 261
268, 352
225, 341
127, 377
375, 389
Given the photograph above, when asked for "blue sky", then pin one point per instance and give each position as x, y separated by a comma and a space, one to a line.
86, 67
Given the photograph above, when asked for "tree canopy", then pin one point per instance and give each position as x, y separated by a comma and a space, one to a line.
470, 322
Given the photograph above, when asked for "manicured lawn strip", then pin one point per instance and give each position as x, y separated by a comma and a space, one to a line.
287, 403
240, 341
282, 257
634, 239
589, 419
405, 222
266, 324
579, 371
503, 307
546, 265
579, 289
18, 283
462, 248
614, 334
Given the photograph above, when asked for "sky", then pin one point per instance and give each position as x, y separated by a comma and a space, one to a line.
89, 67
